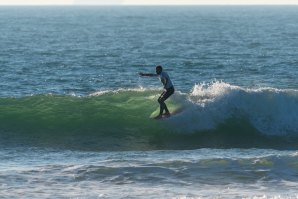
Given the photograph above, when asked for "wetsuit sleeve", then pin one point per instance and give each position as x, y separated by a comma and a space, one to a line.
164, 81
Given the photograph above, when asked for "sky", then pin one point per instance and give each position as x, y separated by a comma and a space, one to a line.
146, 2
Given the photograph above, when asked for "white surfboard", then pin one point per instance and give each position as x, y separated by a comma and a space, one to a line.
173, 108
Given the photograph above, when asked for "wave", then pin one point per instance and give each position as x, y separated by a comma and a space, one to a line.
215, 115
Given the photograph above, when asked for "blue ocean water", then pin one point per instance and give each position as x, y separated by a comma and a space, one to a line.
74, 113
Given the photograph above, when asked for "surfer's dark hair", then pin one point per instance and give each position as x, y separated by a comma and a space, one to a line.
159, 67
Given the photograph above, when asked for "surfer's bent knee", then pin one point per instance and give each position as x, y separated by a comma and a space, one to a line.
160, 100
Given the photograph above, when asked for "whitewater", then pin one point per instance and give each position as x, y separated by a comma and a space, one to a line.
75, 115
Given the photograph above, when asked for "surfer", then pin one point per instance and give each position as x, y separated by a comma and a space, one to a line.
168, 90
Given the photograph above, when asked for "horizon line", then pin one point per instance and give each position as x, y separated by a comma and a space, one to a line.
294, 4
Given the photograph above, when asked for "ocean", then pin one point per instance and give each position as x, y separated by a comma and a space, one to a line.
75, 115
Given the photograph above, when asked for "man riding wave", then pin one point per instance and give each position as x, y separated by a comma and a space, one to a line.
168, 90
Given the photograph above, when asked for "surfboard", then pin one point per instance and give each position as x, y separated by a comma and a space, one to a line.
168, 116
173, 108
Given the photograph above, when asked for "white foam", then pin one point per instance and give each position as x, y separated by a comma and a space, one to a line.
139, 89
271, 111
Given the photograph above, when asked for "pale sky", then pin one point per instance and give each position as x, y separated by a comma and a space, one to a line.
146, 2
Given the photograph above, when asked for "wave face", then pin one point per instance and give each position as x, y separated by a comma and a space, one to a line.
215, 115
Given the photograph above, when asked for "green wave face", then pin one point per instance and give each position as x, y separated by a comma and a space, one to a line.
107, 121
113, 111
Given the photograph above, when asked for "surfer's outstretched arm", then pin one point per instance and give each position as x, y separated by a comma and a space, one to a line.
148, 74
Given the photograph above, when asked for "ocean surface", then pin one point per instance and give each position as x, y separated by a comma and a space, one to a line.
74, 113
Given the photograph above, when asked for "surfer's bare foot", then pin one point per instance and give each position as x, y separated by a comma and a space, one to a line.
167, 114
158, 117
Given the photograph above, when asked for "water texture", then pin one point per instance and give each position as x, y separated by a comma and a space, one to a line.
74, 114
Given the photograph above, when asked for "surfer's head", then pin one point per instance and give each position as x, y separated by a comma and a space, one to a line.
158, 69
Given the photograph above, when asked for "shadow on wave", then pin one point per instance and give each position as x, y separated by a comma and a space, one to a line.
233, 133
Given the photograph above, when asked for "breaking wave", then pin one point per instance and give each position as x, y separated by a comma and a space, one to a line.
216, 115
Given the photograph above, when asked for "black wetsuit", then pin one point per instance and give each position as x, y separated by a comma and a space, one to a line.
165, 79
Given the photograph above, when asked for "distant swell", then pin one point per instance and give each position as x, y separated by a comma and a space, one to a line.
216, 115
